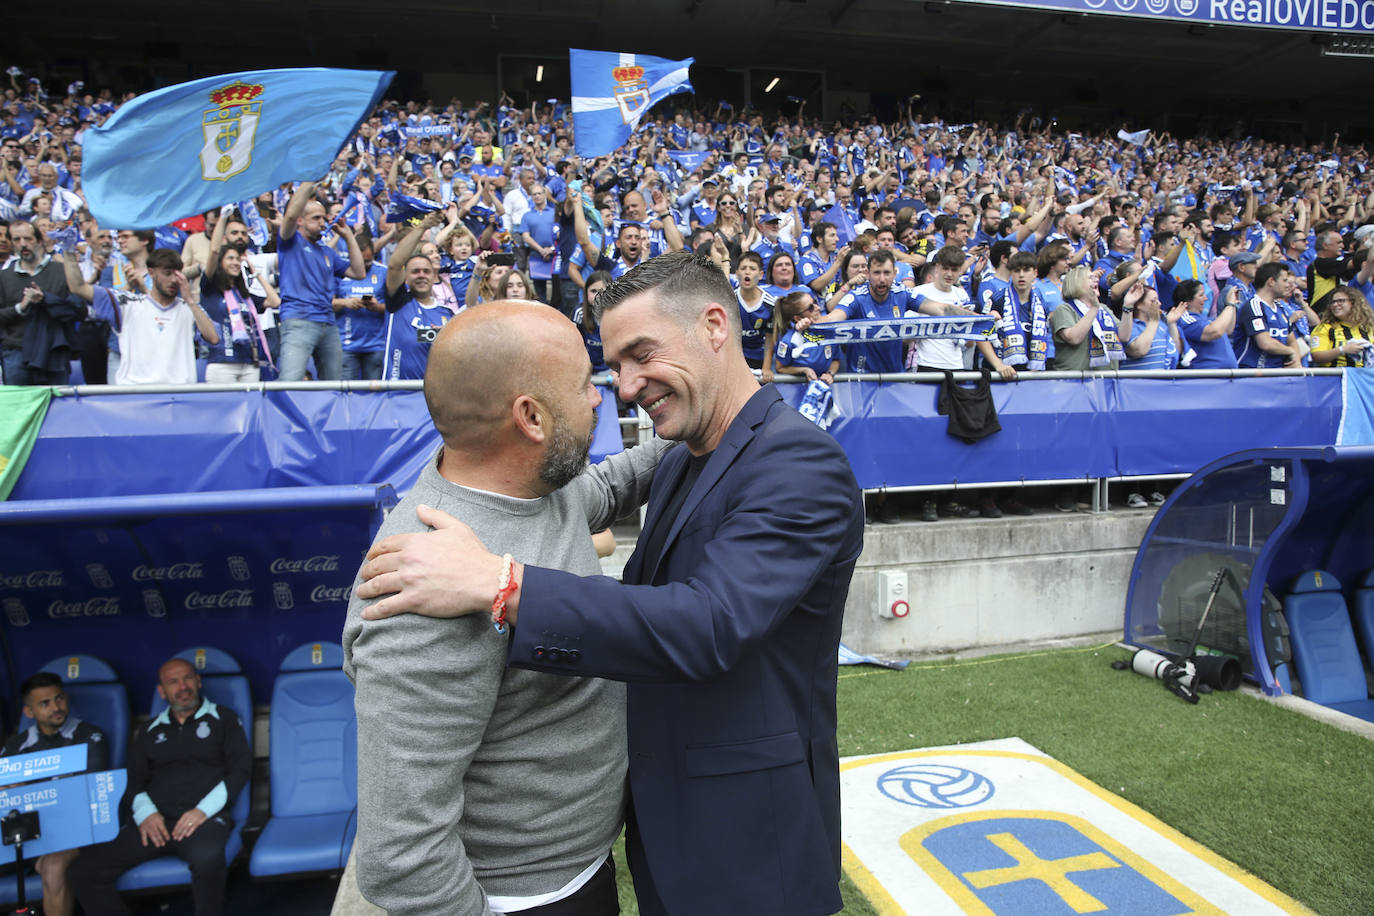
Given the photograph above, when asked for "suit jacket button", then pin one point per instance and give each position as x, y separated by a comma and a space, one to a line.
555, 655
539, 653
574, 656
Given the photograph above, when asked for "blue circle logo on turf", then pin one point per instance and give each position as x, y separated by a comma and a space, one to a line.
935, 785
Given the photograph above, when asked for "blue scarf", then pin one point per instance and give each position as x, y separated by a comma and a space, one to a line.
1019, 348
818, 404
1104, 346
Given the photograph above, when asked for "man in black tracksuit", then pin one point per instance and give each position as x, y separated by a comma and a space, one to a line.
185, 770
45, 702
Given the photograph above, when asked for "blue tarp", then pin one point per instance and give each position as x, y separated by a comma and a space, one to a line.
135, 579
234, 440
1056, 429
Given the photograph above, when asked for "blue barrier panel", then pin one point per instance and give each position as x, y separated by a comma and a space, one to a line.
237, 440
136, 578
1165, 426
1055, 429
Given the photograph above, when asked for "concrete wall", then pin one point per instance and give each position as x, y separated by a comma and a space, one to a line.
979, 583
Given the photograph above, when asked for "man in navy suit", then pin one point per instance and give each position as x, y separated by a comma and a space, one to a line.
728, 622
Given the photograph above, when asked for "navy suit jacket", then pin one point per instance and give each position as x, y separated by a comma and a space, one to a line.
729, 641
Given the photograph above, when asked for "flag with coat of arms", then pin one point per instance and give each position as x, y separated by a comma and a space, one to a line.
195, 146
611, 91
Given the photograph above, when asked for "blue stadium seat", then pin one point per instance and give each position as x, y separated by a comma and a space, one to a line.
1364, 617
314, 756
223, 682
1328, 664
96, 695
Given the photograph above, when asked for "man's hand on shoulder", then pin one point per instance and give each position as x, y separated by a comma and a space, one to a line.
447, 572
154, 830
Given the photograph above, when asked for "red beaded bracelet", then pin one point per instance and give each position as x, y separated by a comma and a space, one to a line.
505, 587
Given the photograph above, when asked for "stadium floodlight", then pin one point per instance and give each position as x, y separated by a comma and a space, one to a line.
1348, 46
769, 87
539, 74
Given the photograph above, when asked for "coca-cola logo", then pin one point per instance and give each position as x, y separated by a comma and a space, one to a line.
106, 606
208, 601
169, 573
37, 578
312, 565
322, 593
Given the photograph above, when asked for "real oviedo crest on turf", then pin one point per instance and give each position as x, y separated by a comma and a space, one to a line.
230, 128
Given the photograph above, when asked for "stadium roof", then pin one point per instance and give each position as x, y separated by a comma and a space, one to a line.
972, 60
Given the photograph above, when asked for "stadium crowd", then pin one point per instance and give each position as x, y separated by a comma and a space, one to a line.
1091, 251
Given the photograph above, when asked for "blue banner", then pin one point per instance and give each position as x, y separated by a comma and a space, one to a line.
72, 811
690, 160
234, 440
58, 761
1357, 420
192, 147
611, 91
1070, 429
1305, 15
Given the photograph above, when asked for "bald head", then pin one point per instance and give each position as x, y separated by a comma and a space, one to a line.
488, 356
175, 666
179, 685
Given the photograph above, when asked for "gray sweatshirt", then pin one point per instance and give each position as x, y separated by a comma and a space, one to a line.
473, 778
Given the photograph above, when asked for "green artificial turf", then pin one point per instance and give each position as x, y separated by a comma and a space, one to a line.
1283, 796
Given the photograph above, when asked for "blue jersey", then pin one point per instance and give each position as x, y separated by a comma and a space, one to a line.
755, 324
1207, 354
490, 170
1256, 236
217, 307
703, 214
1163, 352
578, 259
592, 341
767, 250
1257, 317
811, 266
796, 349
459, 276
992, 291
542, 226
406, 354
308, 273
363, 330
875, 357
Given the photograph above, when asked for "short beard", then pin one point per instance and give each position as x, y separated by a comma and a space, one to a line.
566, 456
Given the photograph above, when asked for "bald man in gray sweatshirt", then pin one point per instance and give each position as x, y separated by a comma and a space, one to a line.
483, 789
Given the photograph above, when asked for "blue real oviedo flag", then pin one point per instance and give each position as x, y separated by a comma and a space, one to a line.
195, 146
611, 91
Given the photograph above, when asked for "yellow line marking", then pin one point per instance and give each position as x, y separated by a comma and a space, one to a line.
868, 885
